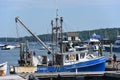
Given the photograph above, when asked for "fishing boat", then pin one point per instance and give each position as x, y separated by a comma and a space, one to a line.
75, 61
63, 59
3, 68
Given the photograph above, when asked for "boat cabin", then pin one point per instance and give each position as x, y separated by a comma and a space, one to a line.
73, 57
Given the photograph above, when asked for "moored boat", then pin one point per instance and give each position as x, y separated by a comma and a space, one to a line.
72, 61
7, 47
115, 47
94, 42
64, 60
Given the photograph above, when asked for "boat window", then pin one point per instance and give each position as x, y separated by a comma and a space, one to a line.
72, 57
82, 55
67, 57
77, 58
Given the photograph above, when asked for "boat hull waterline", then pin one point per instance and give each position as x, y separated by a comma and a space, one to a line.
91, 65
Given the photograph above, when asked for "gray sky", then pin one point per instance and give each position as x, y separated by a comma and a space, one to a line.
78, 15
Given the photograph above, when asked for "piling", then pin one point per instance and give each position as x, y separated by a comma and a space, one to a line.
100, 53
111, 49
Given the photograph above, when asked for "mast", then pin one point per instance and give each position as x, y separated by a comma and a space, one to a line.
57, 29
52, 34
52, 41
61, 34
35, 36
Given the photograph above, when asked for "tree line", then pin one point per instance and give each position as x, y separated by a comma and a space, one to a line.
109, 33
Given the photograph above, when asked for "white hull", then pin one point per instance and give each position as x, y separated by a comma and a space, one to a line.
3, 66
8, 47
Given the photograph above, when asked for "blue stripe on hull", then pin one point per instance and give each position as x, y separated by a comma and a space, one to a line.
92, 65
98, 67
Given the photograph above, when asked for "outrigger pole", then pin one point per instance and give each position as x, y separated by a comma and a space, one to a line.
35, 36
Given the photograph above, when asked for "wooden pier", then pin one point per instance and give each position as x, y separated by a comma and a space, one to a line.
64, 75
113, 74
68, 74
27, 74
73, 75
61, 75
12, 77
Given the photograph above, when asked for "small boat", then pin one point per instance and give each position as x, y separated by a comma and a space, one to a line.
3, 68
63, 60
7, 47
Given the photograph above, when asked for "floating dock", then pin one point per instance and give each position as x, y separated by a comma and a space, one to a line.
109, 75
29, 72
12, 77
74, 75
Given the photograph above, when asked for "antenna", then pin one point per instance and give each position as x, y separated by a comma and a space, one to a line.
56, 8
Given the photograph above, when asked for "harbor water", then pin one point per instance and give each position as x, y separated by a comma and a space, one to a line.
12, 56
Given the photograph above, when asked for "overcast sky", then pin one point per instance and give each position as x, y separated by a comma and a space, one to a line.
78, 15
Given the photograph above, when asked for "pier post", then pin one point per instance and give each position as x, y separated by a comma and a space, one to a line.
111, 49
100, 51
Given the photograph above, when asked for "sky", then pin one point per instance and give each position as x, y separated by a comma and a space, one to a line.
78, 15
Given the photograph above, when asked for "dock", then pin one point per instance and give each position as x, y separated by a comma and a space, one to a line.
12, 77
64, 75
25, 74
111, 74
68, 74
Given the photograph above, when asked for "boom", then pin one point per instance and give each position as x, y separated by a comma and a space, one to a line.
35, 36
